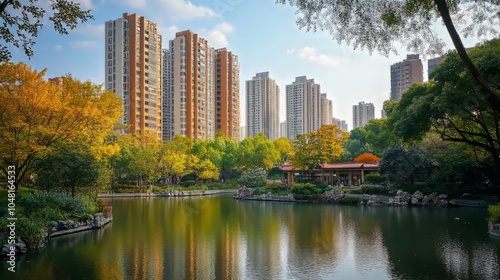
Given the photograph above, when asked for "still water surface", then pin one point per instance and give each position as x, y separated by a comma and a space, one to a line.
221, 238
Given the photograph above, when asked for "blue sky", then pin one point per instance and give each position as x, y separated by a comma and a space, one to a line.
263, 35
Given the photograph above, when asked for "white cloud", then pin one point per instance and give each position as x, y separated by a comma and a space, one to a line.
217, 35
311, 54
91, 30
185, 10
87, 4
58, 48
83, 44
168, 33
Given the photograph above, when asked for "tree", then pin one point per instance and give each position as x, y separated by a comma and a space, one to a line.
325, 145
22, 21
377, 25
367, 157
379, 137
37, 114
284, 147
355, 145
257, 151
404, 166
451, 105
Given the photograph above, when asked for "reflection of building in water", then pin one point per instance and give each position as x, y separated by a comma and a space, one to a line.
461, 263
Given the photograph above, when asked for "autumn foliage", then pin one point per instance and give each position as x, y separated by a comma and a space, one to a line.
367, 157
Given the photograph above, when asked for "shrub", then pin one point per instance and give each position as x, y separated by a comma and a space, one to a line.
58, 201
253, 178
374, 178
306, 191
377, 190
494, 211
31, 231
350, 200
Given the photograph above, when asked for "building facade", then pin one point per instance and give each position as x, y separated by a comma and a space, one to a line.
262, 106
305, 110
201, 89
133, 67
227, 93
404, 74
341, 124
362, 113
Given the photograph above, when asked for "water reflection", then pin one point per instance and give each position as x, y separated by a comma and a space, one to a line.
220, 238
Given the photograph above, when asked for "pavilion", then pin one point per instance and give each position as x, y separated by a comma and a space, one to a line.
335, 174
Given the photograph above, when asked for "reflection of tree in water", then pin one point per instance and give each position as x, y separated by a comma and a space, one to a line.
426, 243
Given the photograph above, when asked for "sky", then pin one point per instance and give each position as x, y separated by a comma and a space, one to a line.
261, 33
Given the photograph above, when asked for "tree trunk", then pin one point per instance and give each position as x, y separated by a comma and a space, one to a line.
457, 42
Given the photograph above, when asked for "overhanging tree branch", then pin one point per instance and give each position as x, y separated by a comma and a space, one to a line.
457, 42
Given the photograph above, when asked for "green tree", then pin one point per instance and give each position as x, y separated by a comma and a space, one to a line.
451, 105
377, 25
355, 145
22, 20
404, 166
379, 137
69, 166
257, 151
284, 148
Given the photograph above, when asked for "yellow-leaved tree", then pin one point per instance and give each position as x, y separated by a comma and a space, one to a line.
324, 145
36, 114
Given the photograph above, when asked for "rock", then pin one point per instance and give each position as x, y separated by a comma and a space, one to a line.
243, 193
373, 200
334, 195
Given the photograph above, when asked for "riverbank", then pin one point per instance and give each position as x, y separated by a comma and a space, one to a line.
175, 193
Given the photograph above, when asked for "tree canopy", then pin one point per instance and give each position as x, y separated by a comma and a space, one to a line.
36, 114
22, 20
452, 106
378, 25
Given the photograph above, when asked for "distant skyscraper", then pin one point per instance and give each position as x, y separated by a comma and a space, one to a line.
304, 107
201, 89
362, 113
283, 128
433, 63
262, 106
404, 74
326, 110
382, 114
133, 60
342, 124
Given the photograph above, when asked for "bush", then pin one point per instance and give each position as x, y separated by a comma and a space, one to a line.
374, 178
253, 178
350, 200
31, 231
494, 211
377, 190
306, 191
188, 183
58, 201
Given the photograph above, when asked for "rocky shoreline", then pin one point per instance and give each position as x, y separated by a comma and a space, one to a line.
402, 198
59, 228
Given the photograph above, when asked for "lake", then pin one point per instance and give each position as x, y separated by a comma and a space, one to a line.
217, 237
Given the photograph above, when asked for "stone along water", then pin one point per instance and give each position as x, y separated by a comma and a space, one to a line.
221, 238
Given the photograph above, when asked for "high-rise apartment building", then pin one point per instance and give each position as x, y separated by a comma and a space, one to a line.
227, 93
404, 74
201, 89
341, 124
362, 113
262, 106
133, 65
326, 110
304, 109
283, 129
